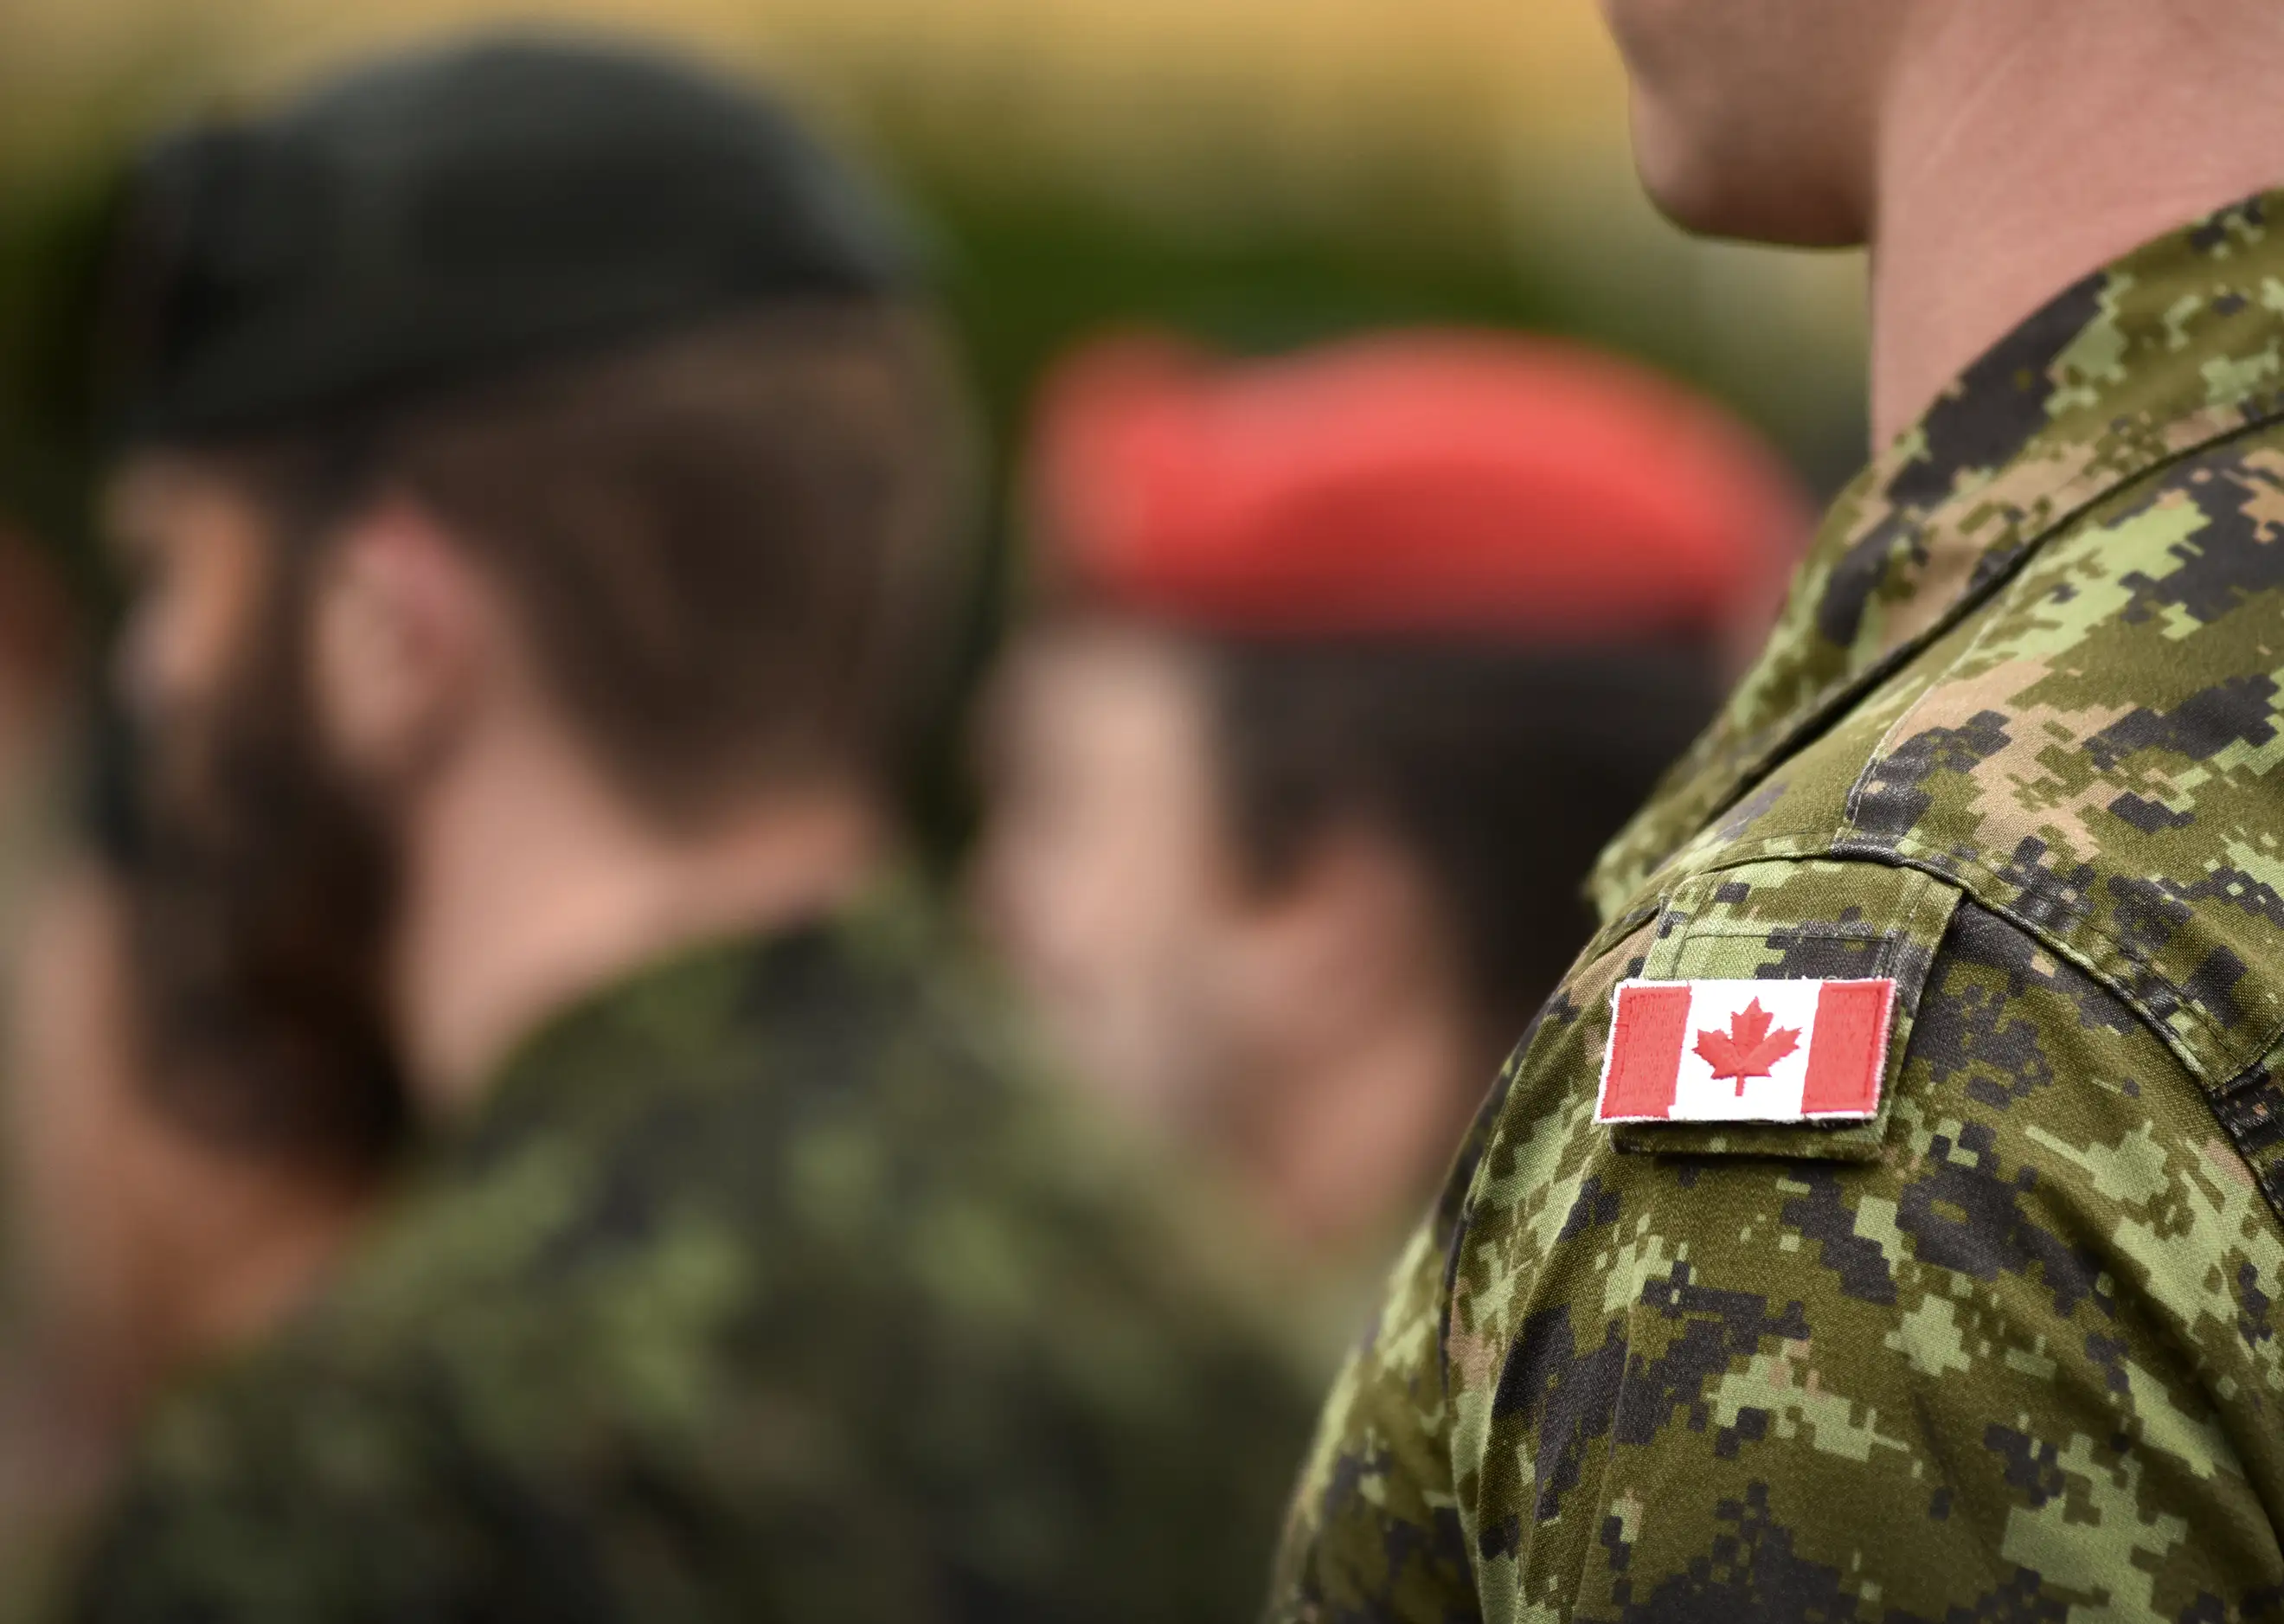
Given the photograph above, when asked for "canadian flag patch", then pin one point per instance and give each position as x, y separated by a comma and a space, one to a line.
1745, 1051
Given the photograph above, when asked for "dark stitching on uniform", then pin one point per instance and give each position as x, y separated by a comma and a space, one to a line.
2253, 1074
1812, 720
1852, 807
2108, 979
1948, 869
2266, 1168
2079, 919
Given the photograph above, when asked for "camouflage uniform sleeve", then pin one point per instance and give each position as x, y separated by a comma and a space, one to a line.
268, 1496
2007, 1352
1374, 1531
288, 1493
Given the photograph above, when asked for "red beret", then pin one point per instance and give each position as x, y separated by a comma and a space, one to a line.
1417, 483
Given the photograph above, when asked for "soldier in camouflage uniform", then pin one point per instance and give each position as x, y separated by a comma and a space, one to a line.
2009, 1349
551, 433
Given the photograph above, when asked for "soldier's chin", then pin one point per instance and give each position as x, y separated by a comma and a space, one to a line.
1713, 187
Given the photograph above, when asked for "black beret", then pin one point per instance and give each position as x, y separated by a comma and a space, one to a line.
435, 217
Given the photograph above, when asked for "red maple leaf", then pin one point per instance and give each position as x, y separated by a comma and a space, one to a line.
1748, 1048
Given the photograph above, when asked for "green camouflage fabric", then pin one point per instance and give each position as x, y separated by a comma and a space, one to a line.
761, 1288
2011, 1351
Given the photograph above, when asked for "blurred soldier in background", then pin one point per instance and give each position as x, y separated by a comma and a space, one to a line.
149, 1240
37, 639
544, 478
1886, 1219
1347, 666
142, 1237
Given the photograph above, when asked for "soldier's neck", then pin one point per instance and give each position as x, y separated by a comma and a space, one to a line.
529, 885
2023, 147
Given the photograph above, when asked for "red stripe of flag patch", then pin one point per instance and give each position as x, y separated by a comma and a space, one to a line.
1745, 1051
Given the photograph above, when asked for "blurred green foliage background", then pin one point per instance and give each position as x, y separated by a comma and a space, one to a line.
1259, 175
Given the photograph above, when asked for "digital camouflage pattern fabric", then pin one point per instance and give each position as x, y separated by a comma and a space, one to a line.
761, 1289
2011, 1351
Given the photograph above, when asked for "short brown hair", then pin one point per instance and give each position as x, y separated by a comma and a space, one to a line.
735, 550
1501, 769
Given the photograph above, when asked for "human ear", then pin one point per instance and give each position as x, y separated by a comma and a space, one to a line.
394, 637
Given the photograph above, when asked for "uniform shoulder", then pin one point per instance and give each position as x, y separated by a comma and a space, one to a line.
1661, 1343
2094, 757
2090, 754
803, 1273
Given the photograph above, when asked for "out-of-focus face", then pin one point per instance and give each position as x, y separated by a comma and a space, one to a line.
140, 1240
262, 887
1758, 118
1105, 874
197, 555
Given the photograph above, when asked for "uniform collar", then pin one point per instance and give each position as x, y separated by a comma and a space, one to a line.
619, 1052
2150, 360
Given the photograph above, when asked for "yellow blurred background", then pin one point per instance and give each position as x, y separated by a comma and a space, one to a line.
1466, 128
1259, 175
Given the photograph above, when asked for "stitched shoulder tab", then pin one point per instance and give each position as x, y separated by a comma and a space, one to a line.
1772, 1011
